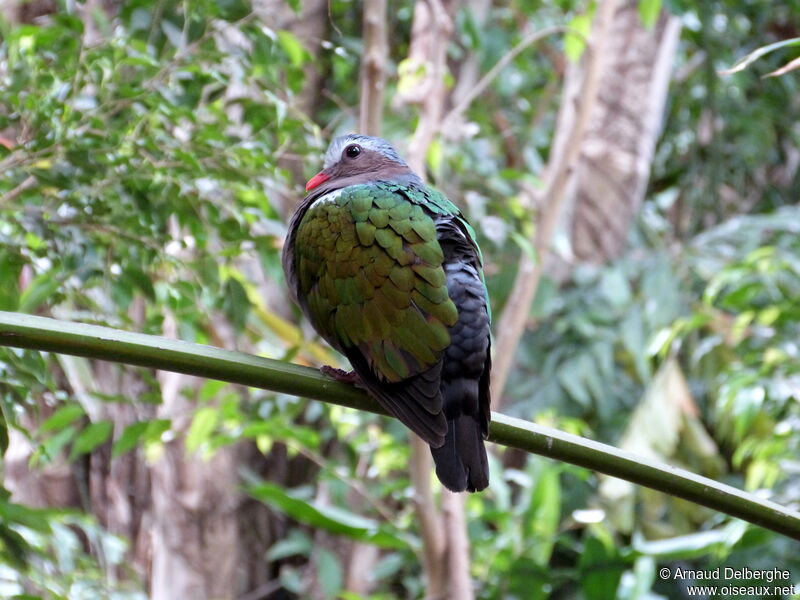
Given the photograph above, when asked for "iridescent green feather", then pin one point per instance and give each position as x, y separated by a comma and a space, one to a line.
370, 268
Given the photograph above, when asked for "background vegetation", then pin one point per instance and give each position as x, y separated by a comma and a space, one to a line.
151, 153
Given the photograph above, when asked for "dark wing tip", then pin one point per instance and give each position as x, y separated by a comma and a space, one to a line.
416, 401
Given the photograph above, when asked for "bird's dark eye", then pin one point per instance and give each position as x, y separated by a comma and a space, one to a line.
352, 151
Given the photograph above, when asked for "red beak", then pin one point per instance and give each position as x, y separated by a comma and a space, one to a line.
316, 180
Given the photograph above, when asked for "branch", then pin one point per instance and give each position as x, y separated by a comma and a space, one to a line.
430, 33
373, 67
501, 64
431, 525
92, 341
458, 555
11, 195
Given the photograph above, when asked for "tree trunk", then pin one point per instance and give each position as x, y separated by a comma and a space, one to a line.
373, 68
611, 173
593, 193
570, 130
194, 507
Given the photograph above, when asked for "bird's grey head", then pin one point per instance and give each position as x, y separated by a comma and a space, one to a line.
365, 142
353, 159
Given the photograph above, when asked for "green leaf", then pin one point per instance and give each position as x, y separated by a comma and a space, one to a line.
156, 428
639, 585
649, 11
435, 156
10, 268
38, 292
235, 302
129, 438
544, 513
388, 565
203, 424
34, 518
137, 278
34, 242
63, 416
15, 551
634, 341
614, 286
211, 389
575, 40
90, 438
333, 519
524, 244
292, 47
329, 572
410, 74
471, 29
233, 10
296, 544
601, 570
53, 445
275, 429
572, 380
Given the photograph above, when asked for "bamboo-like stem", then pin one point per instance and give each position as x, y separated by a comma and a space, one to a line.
92, 341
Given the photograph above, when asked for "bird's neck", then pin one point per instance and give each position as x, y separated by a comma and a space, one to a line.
400, 174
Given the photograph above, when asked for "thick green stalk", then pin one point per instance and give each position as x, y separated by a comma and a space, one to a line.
39, 333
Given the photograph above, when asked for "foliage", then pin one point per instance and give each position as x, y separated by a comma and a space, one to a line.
56, 563
147, 178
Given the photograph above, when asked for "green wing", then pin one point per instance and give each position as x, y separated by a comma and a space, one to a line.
370, 274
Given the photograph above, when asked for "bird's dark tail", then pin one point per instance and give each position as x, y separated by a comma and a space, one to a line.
461, 462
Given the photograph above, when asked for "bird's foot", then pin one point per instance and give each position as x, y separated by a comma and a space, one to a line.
350, 377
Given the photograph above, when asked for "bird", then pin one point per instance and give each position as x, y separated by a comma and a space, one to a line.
389, 273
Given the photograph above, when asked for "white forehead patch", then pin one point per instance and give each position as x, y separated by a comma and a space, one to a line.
334, 153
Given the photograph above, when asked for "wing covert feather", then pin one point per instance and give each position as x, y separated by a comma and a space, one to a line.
371, 276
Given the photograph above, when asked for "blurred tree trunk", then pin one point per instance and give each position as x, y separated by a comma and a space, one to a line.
25, 11
549, 201
120, 488
373, 68
610, 176
599, 162
194, 505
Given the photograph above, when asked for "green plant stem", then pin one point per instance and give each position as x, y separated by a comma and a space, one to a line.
91, 341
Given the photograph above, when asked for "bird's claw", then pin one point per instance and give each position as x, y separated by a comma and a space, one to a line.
350, 377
